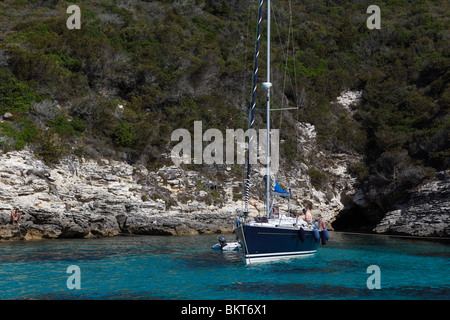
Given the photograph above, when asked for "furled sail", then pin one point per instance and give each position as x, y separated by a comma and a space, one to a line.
251, 120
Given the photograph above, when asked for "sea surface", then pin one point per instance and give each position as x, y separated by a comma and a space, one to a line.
185, 268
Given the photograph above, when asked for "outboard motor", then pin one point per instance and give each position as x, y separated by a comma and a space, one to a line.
224, 246
222, 241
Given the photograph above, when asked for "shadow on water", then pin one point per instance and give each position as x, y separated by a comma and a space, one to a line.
442, 254
116, 295
52, 257
313, 291
295, 290
210, 259
76, 250
331, 267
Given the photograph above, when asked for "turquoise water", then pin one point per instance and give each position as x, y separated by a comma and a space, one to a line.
185, 268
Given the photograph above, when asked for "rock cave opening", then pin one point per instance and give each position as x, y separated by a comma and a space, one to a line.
355, 218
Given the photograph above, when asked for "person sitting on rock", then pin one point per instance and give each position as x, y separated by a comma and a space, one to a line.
16, 214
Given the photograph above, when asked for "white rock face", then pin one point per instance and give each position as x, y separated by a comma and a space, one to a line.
348, 98
87, 198
307, 137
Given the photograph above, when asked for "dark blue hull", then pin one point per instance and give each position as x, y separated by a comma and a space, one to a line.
262, 243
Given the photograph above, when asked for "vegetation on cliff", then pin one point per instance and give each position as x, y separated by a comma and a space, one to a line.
137, 70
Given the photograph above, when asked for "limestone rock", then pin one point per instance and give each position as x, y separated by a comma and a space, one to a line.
8, 116
426, 214
80, 198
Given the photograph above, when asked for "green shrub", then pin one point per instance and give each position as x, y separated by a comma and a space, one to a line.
49, 149
318, 179
15, 95
307, 63
17, 135
33, 65
62, 60
359, 169
67, 128
123, 135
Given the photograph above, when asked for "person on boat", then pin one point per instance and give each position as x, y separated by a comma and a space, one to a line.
319, 223
275, 212
308, 217
16, 214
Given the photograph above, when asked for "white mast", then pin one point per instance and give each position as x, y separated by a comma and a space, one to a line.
267, 85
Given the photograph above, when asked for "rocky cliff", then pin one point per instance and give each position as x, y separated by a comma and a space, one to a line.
80, 198
87, 198
427, 213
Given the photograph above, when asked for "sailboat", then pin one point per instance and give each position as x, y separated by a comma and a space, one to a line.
275, 235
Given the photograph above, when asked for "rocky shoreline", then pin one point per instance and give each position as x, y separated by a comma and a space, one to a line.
85, 198
95, 199
39, 224
81, 198
426, 214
